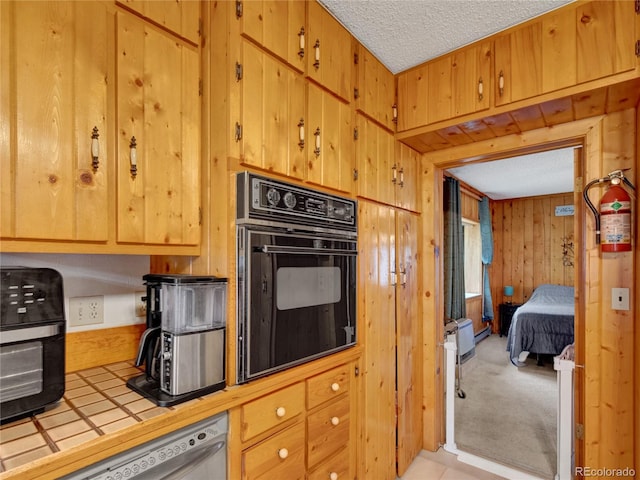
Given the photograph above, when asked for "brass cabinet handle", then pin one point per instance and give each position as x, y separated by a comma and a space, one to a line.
316, 46
301, 42
401, 177
394, 171
394, 113
480, 90
95, 149
501, 82
133, 157
301, 133
317, 135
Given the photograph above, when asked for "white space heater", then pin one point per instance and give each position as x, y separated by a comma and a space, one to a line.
466, 340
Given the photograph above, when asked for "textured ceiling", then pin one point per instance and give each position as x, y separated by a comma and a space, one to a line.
405, 33
544, 173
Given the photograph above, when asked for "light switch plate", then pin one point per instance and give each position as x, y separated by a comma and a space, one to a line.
620, 299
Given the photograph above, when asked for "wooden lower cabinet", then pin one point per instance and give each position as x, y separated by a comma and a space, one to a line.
304, 430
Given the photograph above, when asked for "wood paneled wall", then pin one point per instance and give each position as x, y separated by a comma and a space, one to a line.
529, 246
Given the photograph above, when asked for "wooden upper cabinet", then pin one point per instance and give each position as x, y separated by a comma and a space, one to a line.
182, 17
459, 83
329, 52
578, 43
329, 141
157, 104
272, 111
374, 90
406, 185
279, 26
53, 92
606, 38
375, 157
413, 97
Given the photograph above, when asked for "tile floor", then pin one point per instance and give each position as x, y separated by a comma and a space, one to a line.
443, 465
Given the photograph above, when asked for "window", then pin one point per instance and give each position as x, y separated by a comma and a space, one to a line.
472, 258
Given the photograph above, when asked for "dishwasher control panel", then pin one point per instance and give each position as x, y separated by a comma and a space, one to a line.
167, 455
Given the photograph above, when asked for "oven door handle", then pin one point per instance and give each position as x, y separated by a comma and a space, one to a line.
31, 333
305, 250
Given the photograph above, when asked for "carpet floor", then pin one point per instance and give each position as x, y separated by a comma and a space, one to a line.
509, 413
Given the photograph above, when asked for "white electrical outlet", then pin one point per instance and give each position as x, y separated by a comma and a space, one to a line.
140, 304
86, 310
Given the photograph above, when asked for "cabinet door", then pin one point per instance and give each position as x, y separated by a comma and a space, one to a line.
406, 186
272, 114
182, 17
157, 104
374, 91
413, 98
278, 26
408, 335
377, 333
329, 52
375, 157
53, 93
329, 141
459, 83
605, 39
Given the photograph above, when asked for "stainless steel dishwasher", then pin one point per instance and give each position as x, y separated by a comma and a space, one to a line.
197, 452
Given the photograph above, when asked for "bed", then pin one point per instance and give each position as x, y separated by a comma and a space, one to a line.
543, 325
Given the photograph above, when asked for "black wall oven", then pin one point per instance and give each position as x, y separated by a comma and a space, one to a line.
296, 267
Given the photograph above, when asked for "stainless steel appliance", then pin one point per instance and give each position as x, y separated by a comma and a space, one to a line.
184, 343
32, 340
296, 270
196, 452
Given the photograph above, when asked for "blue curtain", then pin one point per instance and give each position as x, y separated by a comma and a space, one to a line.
454, 291
486, 234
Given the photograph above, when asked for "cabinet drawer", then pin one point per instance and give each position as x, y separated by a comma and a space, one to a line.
328, 430
338, 465
327, 386
280, 456
274, 409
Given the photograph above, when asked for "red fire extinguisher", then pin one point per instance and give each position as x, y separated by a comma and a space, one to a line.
613, 219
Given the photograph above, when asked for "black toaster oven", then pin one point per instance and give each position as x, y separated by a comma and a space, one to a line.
32, 340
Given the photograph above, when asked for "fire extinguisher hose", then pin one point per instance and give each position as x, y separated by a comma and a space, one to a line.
596, 213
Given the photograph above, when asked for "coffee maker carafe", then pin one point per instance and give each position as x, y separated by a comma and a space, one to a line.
183, 346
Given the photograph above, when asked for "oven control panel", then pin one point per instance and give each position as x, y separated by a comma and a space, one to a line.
267, 199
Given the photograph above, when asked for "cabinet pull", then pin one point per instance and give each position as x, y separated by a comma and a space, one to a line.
394, 278
335, 386
394, 113
301, 42
238, 132
401, 177
301, 133
281, 412
333, 476
335, 421
95, 149
480, 90
394, 176
403, 276
133, 157
283, 453
317, 135
316, 46
501, 82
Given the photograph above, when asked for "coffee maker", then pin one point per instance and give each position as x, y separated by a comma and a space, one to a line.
183, 347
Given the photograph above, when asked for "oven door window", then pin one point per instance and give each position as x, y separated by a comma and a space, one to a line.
21, 370
301, 293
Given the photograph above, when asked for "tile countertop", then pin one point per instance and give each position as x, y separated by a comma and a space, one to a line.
99, 416
96, 402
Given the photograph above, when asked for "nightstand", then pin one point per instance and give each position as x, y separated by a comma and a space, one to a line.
506, 311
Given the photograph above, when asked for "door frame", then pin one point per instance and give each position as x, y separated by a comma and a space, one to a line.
586, 133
